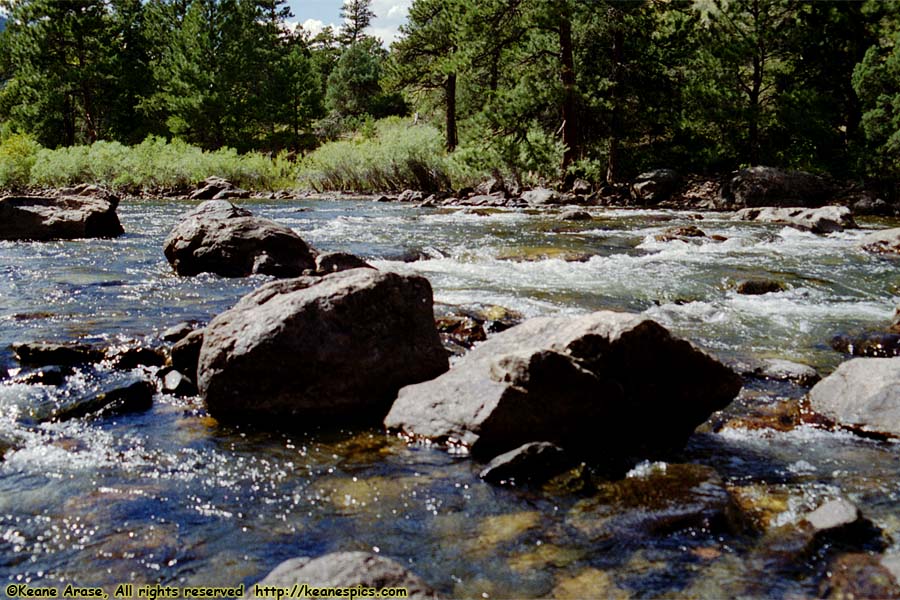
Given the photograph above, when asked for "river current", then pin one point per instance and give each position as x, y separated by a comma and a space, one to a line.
169, 496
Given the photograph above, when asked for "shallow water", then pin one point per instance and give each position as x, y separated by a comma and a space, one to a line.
169, 496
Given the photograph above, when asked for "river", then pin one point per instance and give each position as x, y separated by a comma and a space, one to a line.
169, 496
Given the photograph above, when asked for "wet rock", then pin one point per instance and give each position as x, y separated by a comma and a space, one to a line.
463, 330
53, 375
574, 214
855, 576
344, 570
132, 357
612, 384
589, 583
767, 186
872, 206
862, 394
884, 241
535, 462
758, 287
827, 219
411, 196
840, 524
178, 385
218, 237
211, 187
873, 345
764, 507
177, 332
59, 218
332, 262
115, 399
6, 446
655, 186
782, 415
39, 354
493, 185
539, 253
320, 349
656, 499
784, 370
540, 197
677, 233
186, 353
407, 255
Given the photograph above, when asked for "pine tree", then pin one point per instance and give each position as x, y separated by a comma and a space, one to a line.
357, 16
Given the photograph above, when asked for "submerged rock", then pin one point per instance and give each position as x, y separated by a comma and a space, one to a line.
132, 357
115, 398
861, 394
611, 384
778, 369
52, 375
334, 348
678, 233
573, 214
827, 219
344, 570
218, 237
874, 345
758, 287
59, 218
40, 354
767, 186
535, 462
856, 576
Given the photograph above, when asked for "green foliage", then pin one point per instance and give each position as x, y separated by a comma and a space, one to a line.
877, 82
396, 156
18, 153
156, 163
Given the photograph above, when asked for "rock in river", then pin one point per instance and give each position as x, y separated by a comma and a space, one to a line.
332, 348
862, 394
883, 241
59, 218
218, 237
768, 186
344, 570
827, 219
606, 383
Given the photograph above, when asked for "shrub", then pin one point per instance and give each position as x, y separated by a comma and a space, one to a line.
18, 153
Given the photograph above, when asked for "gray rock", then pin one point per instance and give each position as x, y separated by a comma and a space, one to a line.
59, 218
176, 332
833, 514
573, 214
883, 241
343, 570
179, 385
43, 354
826, 219
540, 197
606, 383
210, 188
863, 394
332, 262
411, 196
334, 348
186, 353
785, 370
680, 233
767, 186
218, 237
655, 186
580, 187
535, 462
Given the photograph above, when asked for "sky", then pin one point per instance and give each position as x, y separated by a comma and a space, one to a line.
316, 14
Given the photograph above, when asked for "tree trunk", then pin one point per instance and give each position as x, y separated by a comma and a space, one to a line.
755, 88
450, 92
615, 121
567, 74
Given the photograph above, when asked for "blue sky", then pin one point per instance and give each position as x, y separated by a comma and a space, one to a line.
315, 14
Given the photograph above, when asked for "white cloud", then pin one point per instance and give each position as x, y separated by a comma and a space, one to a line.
389, 15
315, 26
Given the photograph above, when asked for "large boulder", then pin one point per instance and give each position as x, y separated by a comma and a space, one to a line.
827, 219
883, 241
348, 570
767, 186
321, 349
541, 197
861, 394
59, 218
218, 237
607, 383
655, 186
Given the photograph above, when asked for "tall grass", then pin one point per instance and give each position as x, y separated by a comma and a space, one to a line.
153, 164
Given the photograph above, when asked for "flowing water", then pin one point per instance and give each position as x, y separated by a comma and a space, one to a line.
169, 496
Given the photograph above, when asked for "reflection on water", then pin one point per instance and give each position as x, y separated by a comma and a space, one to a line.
170, 496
